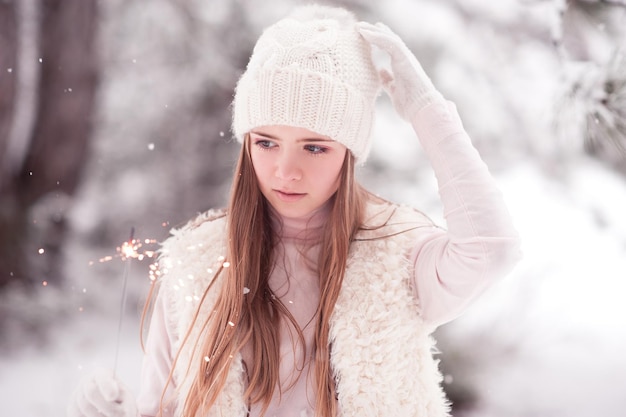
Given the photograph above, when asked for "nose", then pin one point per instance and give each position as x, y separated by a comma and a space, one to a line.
288, 168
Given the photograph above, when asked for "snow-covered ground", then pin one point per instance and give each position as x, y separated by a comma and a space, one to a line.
546, 341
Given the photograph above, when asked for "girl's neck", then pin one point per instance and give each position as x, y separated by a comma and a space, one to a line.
306, 229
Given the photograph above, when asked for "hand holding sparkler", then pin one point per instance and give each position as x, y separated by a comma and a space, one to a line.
100, 394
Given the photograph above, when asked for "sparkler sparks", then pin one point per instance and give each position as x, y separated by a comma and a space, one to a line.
131, 249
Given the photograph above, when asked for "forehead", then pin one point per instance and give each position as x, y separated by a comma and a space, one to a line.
284, 132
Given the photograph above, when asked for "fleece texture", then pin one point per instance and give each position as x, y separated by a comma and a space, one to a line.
381, 350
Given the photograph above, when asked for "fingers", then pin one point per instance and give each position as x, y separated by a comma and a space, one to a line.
375, 36
85, 408
382, 37
82, 401
101, 395
407, 84
107, 385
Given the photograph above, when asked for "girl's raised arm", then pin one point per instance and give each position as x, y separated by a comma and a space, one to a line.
481, 244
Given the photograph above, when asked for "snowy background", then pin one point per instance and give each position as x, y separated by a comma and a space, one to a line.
531, 80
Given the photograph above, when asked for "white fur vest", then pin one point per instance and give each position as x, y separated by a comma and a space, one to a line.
381, 352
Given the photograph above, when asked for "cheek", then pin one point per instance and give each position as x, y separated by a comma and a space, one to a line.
259, 164
330, 173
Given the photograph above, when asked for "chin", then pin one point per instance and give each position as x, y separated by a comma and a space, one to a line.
291, 211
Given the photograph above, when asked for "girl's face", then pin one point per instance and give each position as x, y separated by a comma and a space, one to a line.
297, 169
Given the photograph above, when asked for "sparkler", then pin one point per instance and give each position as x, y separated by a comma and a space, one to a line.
127, 251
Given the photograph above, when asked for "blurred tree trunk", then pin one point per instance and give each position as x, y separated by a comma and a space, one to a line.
48, 81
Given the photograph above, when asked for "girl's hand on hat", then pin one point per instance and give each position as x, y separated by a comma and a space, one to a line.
407, 84
100, 394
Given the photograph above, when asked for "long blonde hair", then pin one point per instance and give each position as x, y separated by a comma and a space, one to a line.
245, 314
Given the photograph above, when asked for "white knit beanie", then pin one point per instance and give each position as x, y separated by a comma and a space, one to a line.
311, 70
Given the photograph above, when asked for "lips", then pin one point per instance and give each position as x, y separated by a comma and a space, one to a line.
288, 196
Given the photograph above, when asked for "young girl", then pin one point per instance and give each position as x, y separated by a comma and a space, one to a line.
309, 296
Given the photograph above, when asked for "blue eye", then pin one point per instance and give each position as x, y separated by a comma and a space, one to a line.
264, 143
315, 149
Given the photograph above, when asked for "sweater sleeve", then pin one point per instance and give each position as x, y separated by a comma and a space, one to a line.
156, 365
481, 244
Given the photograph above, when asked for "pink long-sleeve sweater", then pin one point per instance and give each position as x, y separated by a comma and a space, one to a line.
451, 267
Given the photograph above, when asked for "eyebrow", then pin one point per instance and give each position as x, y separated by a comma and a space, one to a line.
305, 140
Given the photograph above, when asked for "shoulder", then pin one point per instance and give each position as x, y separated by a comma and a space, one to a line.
383, 218
207, 219
189, 261
196, 233
194, 249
